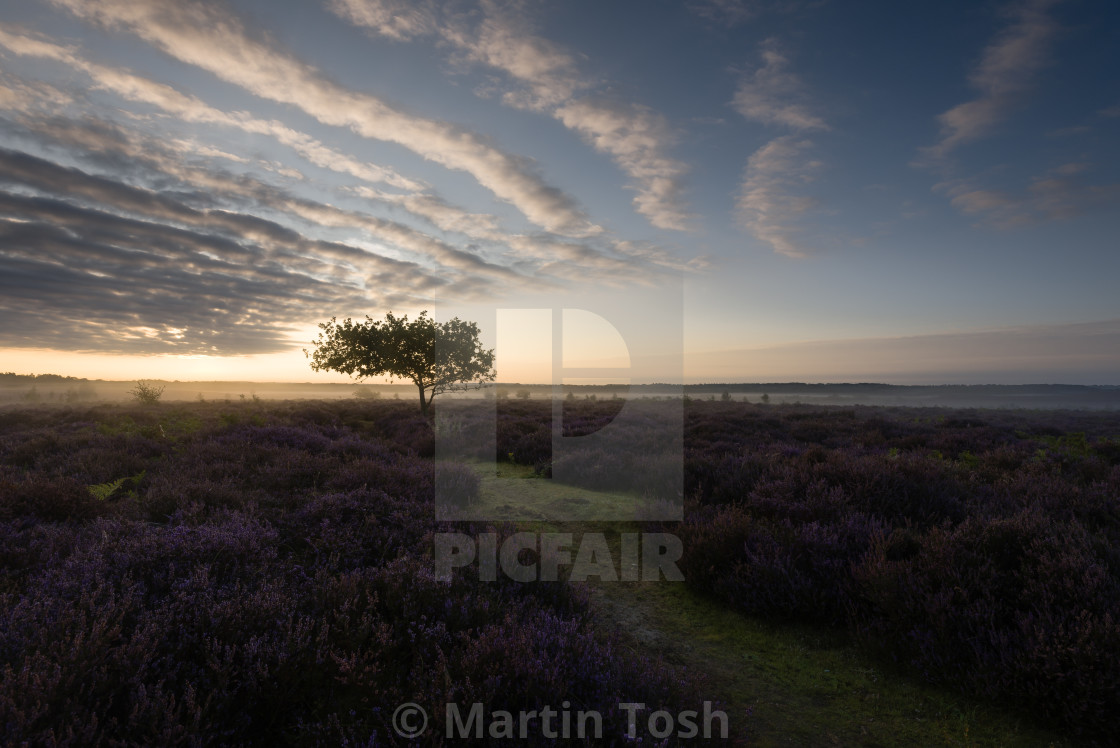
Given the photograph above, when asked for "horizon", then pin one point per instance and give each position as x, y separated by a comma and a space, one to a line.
188, 188
63, 378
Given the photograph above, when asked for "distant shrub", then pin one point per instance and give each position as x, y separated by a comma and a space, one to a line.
146, 393
82, 393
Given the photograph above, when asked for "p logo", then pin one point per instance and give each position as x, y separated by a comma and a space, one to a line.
586, 420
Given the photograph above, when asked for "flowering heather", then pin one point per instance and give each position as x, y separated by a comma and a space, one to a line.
978, 549
260, 575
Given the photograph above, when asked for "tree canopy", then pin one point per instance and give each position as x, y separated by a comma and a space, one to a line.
435, 356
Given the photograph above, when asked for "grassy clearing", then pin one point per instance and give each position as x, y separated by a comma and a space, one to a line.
517, 494
781, 685
803, 686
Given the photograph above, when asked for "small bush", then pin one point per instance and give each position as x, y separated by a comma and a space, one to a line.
146, 393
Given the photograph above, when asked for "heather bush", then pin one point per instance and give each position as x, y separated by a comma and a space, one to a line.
1020, 609
456, 484
48, 498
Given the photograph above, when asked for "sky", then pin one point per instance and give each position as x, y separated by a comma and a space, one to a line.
826, 191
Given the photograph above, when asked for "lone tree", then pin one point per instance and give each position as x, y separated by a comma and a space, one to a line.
436, 356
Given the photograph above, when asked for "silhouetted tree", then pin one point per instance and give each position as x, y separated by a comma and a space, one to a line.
435, 356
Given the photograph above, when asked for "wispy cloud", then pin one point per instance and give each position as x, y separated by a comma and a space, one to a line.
729, 12
770, 200
208, 37
191, 109
440, 213
545, 78
1003, 75
772, 95
1061, 193
396, 19
1110, 112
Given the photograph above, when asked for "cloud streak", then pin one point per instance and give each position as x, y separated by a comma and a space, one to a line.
1059, 194
547, 79
769, 201
1002, 77
191, 109
207, 37
772, 95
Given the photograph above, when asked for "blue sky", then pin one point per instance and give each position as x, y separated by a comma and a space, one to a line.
880, 191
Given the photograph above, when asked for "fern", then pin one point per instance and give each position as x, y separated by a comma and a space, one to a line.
102, 491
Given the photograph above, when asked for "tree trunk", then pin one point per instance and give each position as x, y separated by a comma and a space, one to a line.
423, 402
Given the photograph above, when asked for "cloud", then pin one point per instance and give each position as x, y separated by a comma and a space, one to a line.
731, 13
243, 237
1059, 194
726, 12
51, 179
76, 278
1003, 75
18, 96
189, 108
1087, 353
769, 201
440, 213
153, 161
152, 221
504, 40
396, 19
103, 138
91, 263
206, 36
548, 80
772, 95
635, 137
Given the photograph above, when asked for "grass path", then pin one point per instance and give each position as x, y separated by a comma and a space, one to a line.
802, 686
781, 685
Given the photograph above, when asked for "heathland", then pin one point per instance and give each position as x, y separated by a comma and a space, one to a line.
261, 572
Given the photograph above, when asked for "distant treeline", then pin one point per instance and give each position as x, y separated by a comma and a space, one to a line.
872, 388
11, 378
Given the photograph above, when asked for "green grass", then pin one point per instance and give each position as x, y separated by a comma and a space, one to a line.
517, 494
804, 685
781, 685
